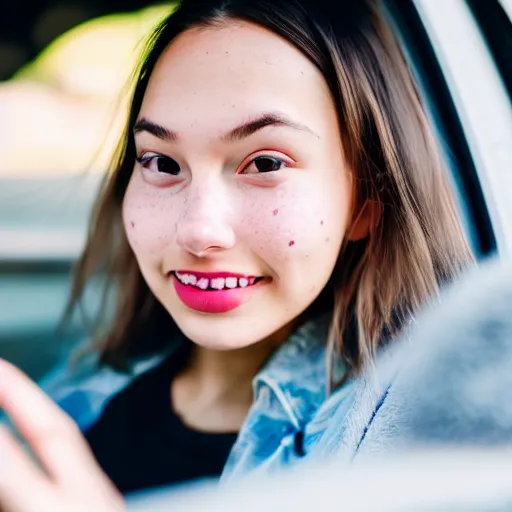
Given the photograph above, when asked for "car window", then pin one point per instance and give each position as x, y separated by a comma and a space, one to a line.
495, 22
507, 5
481, 101
56, 111
438, 99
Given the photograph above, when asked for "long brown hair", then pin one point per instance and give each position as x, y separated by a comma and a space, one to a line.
415, 246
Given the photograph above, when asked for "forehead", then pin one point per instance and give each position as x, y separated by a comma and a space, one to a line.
233, 70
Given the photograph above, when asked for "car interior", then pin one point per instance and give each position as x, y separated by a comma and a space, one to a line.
459, 52
44, 217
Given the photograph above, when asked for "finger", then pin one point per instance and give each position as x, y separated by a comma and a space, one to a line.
51, 434
23, 487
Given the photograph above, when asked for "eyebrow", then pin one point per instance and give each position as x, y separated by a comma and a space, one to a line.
262, 121
240, 132
145, 125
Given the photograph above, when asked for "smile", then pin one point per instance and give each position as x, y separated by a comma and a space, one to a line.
216, 281
216, 292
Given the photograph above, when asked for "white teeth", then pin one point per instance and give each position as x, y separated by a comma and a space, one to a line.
217, 283
187, 278
231, 282
203, 283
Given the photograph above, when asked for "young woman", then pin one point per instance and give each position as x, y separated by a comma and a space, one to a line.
277, 200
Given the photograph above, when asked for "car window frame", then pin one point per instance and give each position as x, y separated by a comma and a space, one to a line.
437, 97
481, 101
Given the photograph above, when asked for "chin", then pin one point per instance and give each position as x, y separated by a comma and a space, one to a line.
219, 332
213, 340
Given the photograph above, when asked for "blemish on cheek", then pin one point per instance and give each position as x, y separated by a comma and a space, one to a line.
275, 212
327, 239
291, 243
321, 223
132, 224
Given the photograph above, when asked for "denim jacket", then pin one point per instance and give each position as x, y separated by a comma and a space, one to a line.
277, 431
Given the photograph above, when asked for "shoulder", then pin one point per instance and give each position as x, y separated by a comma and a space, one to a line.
83, 389
287, 392
296, 374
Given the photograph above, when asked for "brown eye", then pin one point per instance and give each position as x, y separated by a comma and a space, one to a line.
160, 163
168, 165
262, 164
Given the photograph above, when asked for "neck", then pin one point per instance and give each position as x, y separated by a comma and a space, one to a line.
214, 391
215, 369
233, 369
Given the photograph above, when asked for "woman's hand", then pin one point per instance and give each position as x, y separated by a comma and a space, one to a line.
68, 479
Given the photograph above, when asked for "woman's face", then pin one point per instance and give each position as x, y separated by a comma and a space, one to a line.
239, 202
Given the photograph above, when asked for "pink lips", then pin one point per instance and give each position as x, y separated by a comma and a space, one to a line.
210, 300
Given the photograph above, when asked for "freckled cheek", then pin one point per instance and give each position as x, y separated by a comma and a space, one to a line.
149, 221
288, 226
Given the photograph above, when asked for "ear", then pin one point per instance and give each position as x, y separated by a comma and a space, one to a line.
366, 221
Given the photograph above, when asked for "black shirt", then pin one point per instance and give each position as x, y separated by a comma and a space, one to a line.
141, 443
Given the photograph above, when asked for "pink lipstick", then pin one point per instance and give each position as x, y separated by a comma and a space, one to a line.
214, 292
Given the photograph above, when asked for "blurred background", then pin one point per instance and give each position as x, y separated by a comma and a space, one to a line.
64, 81
64, 70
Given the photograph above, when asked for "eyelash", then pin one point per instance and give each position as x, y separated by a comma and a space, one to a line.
147, 158
260, 158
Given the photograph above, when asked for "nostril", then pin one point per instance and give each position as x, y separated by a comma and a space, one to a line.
203, 237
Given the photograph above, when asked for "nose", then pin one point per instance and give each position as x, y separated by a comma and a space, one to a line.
205, 226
